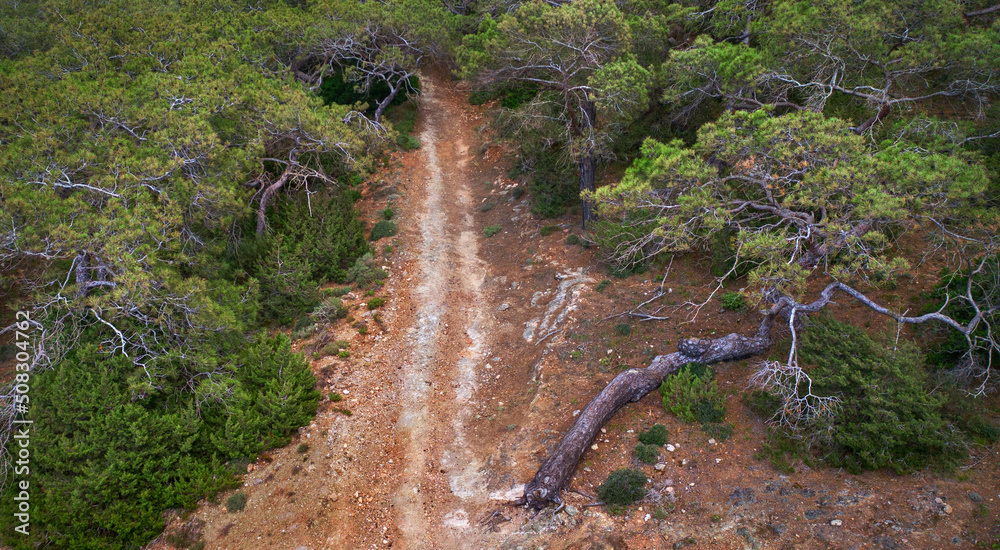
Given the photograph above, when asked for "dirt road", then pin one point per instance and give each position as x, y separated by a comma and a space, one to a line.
447, 343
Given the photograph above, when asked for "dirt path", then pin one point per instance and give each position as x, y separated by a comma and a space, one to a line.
447, 344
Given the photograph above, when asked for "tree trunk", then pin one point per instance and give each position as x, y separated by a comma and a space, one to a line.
267, 196
388, 99
882, 113
588, 161
629, 387
983, 11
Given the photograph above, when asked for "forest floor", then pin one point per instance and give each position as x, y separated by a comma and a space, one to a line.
476, 366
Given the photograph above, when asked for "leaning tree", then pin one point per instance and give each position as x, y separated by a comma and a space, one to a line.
580, 55
803, 198
872, 59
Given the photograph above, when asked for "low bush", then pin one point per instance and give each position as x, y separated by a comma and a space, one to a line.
693, 395
547, 230
733, 301
491, 230
657, 435
236, 503
887, 417
623, 329
388, 213
572, 239
382, 229
340, 292
622, 487
365, 271
718, 430
343, 354
336, 397
330, 349
487, 206
332, 308
302, 448
375, 302
602, 285
647, 454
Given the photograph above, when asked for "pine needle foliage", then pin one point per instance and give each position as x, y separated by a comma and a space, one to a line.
888, 419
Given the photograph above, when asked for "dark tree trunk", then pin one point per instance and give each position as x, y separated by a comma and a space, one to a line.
388, 99
629, 387
983, 11
267, 196
588, 166
882, 113
588, 161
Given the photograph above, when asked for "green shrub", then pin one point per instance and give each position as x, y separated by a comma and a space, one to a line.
657, 435
236, 503
105, 464
376, 302
340, 291
511, 96
491, 230
547, 230
765, 404
487, 206
572, 239
329, 349
718, 430
647, 454
342, 344
554, 184
623, 329
382, 229
602, 285
305, 331
952, 350
517, 192
887, 419
275, 395
365, 271
336, 397
692, 395
622, 487
331, 308
302, 448
299, 252
407, 142
733, 301
343, 354
706, 411
388, 213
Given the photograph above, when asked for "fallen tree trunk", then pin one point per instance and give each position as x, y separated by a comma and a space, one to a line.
634, 384
629, 387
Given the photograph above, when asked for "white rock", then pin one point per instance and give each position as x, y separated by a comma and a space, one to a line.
836, 522
670, 447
